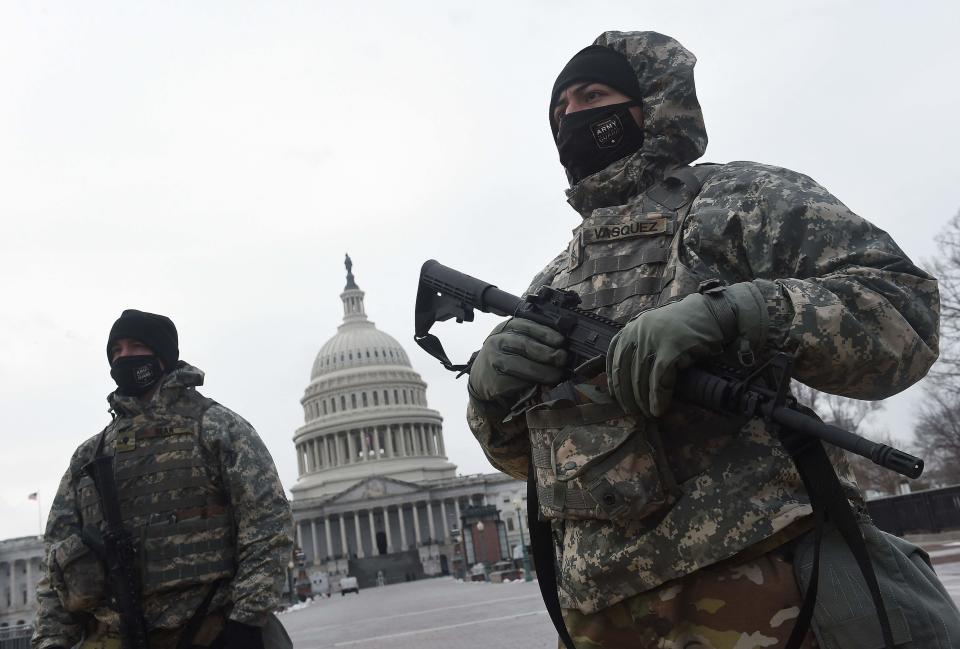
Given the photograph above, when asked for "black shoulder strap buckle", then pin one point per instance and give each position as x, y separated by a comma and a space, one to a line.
678, 188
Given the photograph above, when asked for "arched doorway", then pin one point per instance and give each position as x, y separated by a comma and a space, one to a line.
381, 543
444, 566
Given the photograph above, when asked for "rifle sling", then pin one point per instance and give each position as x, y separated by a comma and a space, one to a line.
541, 542
829, 503
432, 345
132, 625
185, 641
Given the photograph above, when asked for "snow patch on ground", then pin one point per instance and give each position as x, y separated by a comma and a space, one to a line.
299, 606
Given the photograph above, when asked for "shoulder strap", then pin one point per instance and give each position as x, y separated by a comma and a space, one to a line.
680, 186
829, 503
544, 559
189, 631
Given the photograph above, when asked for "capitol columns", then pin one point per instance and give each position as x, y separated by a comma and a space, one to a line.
386, 528
315, 542
443, 520
374, 551
403, 529
356, 529
416, 524
326, 530
351, 448
344, 548
430, 524
388, 435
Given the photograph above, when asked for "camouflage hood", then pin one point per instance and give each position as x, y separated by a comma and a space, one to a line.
674, 133
182, 377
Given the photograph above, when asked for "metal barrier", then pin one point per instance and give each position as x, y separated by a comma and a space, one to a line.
935, 510
15, 637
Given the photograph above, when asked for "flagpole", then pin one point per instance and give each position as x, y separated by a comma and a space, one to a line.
39, 515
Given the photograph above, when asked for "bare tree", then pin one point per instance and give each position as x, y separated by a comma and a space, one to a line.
937, 430
938, 435
852, 415
945, 375
849, 414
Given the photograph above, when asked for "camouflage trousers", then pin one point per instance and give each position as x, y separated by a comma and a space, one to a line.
748, 605
103, 637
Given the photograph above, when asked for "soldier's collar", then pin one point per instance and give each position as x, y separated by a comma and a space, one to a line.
616, 184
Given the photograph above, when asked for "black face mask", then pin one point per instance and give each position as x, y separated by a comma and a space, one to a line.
135, 375
592, 139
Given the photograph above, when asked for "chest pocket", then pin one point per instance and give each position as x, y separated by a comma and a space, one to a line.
594, 462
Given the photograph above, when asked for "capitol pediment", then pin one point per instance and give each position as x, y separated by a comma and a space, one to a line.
374, 488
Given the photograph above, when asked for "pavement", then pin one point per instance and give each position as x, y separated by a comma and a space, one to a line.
944, 551
445, 613
441, 613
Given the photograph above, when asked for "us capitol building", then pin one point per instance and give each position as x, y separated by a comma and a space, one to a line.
376, 492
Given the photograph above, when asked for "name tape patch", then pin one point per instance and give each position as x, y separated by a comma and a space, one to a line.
638, 228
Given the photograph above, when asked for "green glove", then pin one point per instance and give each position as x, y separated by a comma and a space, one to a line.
517, 355
646, 355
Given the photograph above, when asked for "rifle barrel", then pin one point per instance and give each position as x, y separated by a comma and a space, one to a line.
881, 454
717, 393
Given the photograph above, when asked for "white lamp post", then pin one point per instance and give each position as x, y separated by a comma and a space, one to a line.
518, 504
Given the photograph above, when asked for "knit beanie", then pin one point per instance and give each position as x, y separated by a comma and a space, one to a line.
600, 64
155, 331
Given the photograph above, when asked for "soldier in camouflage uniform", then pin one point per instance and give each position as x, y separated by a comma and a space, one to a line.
675, 526
197, 489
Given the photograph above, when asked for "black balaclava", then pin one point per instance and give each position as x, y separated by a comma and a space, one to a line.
590, 140
136, 375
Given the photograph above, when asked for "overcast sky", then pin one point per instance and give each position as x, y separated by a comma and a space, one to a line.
214, 161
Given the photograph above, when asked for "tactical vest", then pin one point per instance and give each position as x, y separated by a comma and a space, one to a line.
592, 460
683, 491
171, 495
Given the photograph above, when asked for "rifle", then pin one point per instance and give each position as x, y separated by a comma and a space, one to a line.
445, 293
119, 552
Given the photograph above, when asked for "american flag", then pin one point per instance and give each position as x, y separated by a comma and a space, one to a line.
33, 496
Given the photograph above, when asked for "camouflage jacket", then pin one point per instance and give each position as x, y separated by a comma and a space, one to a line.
860, 319
221, 503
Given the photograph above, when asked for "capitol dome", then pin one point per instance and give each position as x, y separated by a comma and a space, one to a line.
358, 344
365, 411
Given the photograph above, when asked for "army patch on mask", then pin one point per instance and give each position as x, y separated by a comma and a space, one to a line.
607, 132
628, 230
